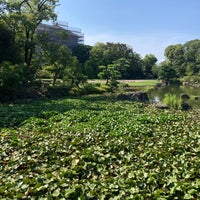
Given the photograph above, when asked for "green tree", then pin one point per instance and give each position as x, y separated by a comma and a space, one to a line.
135, 70
114, 76
155, 70
166, 72
82, 52
11, 76
149, 62
115, 51
23, 18
185, 59
122, 64
57, 58
95, 60
110, 73
9, 50
175, 55
73, 75
192, 56
105, 54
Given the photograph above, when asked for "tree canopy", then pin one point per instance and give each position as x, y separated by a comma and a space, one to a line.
22, 19
27, 56
103, 54
184, 59
149, 62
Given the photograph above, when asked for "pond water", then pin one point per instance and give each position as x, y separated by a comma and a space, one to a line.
157, 94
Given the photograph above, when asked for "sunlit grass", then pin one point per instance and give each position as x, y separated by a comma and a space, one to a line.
141, 82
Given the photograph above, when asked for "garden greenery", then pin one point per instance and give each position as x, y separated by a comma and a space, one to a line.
92, 148
172, 101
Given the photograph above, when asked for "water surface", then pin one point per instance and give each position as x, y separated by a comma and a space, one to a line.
158, 94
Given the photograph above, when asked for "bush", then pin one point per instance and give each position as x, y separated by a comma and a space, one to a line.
11, 76
88, 88
196, 79
192, 80
44, 74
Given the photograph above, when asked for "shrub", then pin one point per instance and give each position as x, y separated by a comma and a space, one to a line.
192, 80
11, 76
88, 88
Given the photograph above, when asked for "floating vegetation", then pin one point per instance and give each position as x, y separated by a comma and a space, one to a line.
94, 148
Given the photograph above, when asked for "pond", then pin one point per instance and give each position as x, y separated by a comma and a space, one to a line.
158, 94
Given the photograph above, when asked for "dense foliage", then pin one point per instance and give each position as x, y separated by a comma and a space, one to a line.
28, 58
24, 48
93, 148
184, 60
21, 19
104, 54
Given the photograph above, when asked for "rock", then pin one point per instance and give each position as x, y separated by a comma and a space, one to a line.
122, 97
185, 106
139, 96
186, 83
161, 106
134, 96
185, 96
164, 83
196, 98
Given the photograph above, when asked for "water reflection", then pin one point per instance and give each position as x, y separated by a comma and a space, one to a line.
158, 94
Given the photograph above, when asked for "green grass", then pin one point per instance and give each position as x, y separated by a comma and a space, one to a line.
151, 82
97, 148
141, 83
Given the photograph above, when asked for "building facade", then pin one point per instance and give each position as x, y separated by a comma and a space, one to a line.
74, 35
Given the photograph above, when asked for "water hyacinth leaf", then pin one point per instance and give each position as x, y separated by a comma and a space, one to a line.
97, 148
188, 196
56, 193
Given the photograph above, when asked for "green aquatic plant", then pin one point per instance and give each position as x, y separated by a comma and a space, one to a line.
97, 148
172, 101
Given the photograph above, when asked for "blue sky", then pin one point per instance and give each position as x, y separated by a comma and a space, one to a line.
148, 26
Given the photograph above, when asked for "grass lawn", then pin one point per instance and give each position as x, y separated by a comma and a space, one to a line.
142, 83
151, 82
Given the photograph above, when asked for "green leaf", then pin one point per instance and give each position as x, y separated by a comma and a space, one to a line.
188, 196
56, 192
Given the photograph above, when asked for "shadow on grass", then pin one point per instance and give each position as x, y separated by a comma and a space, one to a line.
13, 115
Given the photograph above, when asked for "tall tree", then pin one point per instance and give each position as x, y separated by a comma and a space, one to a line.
166, 72
59, 60
95, 60
148, 63
175, 55
192, 56
9, 50
82, 52
23, 18
104, 54
185, 59
55, 55
135, 69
